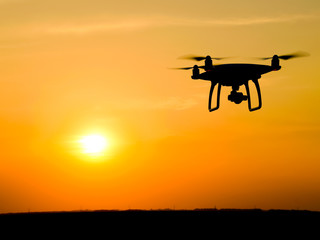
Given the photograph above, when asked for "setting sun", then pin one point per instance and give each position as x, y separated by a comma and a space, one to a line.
94, 144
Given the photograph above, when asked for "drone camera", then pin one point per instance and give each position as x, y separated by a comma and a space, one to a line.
237, 97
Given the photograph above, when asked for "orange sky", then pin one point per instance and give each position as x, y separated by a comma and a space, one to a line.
77, 67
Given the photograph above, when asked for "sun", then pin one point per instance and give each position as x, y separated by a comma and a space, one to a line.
94, 144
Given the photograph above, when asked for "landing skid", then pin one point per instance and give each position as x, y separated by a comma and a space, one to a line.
213, 84
251, 109
256, 83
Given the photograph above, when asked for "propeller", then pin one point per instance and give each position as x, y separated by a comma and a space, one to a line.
199, 58
289, 56
186, 68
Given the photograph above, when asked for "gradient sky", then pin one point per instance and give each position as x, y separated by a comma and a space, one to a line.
76, 67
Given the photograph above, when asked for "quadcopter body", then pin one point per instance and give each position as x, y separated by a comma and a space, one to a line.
235, 75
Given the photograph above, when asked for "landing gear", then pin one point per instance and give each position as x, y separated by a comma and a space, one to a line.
256, 83
238, 97
235, 96
213, 84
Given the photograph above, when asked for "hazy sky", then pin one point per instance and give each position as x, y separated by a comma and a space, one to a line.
73, 68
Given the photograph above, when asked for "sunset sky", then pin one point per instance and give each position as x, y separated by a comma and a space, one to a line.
73, 70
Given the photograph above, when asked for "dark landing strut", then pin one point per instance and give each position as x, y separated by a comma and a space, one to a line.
235, 96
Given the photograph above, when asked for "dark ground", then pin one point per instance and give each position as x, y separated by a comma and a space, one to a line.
170, 215
182, 222
196, 213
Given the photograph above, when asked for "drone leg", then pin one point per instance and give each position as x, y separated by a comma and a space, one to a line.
213, 84
255, 81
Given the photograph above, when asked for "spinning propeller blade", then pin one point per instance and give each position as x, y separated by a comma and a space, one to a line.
186, 68
289, 56
199, 58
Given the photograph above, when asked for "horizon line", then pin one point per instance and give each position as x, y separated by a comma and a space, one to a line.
159, 210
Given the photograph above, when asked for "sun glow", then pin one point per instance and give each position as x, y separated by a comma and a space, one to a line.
94, 144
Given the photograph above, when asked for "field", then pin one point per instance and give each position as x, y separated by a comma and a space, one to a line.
209, 215
174, 223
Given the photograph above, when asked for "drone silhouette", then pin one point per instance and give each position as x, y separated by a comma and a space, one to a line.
235, 75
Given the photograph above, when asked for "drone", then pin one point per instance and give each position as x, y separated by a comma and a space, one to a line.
235, 75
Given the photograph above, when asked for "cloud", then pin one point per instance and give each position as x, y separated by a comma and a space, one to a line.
255, 21
176, 103
10, 1
98, 27
171, 103
144, 23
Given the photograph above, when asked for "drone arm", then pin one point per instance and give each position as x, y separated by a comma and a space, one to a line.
213, 84
255, 81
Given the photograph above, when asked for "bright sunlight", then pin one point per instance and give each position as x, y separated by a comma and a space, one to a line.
94, 144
